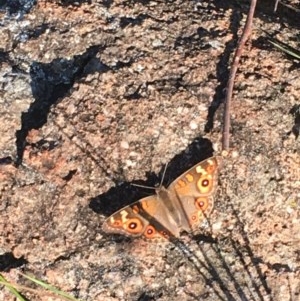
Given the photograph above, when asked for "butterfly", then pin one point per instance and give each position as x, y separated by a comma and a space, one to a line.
183, 206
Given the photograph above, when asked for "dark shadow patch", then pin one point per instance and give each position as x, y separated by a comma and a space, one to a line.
70, 175
131, 3
8, 261
50, 83
17, 6
279, 267
128, 21
107, 3
285, 14
133, 92
44, 145
147, 297
4, 56
295, 111
37, 31
115, 198
200, 238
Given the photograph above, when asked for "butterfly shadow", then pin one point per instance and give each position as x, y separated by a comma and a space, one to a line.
126, 193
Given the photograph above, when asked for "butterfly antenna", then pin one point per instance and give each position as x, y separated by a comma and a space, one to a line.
143, 186
163, 176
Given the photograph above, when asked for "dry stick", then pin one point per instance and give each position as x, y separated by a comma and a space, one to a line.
235, 64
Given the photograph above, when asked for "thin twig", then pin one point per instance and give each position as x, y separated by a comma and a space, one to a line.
246, 33
276, 5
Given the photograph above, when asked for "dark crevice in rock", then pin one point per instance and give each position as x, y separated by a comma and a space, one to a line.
6, 160
70, 175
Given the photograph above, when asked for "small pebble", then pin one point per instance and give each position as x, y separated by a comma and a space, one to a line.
193, 125
124, 144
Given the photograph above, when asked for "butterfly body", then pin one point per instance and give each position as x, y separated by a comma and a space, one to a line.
181, 207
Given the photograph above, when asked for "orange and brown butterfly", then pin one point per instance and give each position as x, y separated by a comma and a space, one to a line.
182, 206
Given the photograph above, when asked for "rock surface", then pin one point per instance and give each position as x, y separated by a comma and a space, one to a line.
96, 95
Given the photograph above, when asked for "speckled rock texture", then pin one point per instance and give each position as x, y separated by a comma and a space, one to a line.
98, 95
